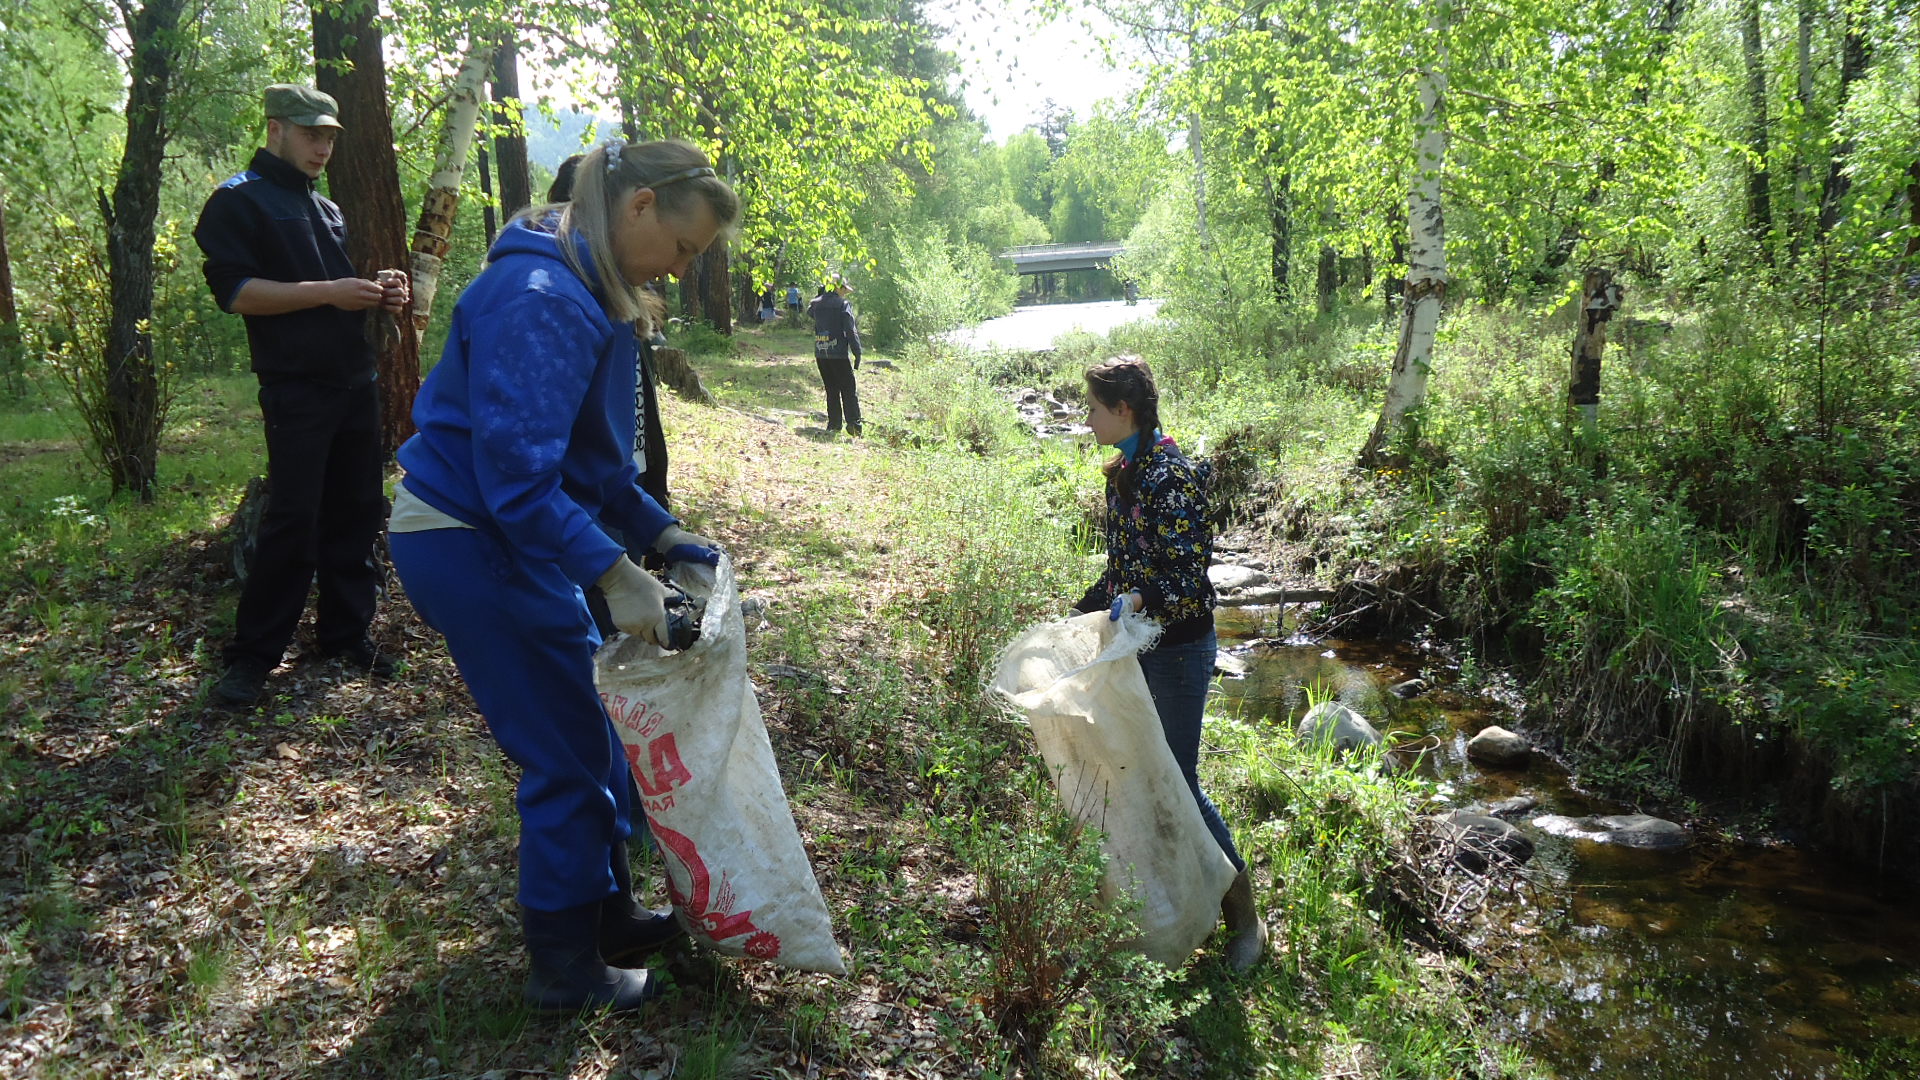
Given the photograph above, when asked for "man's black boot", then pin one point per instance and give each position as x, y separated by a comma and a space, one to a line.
566, 972
629, 932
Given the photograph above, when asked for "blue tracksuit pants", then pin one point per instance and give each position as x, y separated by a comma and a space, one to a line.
524, 642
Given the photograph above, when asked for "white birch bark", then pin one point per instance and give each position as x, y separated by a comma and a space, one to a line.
433, 235
1427, 278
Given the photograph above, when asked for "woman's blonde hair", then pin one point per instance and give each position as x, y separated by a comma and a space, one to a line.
680, 177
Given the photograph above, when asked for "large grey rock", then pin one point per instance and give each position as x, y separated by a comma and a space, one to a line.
1232, 577
1626, 830
1335, 723
1513, 806
1412, 688
1498, 746
1225, 663
1477, 841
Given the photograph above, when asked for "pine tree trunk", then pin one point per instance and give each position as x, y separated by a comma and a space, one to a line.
133, 404
510, 149
364, 178
1759, 205
1426, 253
433, 233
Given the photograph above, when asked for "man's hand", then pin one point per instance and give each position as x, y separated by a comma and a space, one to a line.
395, 289
679, 545
636, 600
354, 294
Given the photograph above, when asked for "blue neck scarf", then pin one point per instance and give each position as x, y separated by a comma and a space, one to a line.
1131, 445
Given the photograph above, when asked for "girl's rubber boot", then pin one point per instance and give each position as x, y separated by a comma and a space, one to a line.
630, 933
567, 974
1242, 916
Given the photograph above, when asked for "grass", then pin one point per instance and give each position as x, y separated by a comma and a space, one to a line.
324, 887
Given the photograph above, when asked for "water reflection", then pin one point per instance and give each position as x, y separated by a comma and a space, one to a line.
1715, 962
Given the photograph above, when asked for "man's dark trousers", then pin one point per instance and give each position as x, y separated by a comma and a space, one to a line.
842, 399
324, 510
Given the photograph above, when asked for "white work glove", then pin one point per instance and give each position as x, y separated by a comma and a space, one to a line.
636, 600
679, 545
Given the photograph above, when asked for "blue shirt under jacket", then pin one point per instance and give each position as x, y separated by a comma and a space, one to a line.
526, 424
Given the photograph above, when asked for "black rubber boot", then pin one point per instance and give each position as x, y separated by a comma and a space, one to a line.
629, 932
567, 974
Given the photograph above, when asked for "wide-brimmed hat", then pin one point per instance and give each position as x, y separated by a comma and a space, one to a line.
838, 281
302, 105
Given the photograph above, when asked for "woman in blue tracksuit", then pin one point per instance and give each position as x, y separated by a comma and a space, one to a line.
524, 452
1158, 545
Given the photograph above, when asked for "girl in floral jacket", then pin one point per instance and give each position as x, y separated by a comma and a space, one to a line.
1158, 547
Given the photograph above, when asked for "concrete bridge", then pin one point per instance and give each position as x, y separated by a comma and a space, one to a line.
1052, 258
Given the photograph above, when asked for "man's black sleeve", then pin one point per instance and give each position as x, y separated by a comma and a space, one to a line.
225, 234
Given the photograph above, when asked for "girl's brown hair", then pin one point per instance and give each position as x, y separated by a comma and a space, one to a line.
1126, 378
680, 177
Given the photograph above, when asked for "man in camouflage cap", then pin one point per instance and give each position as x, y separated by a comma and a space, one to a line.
277, 256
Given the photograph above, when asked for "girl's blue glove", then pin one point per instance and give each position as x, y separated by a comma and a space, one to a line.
678, 545
1124, 604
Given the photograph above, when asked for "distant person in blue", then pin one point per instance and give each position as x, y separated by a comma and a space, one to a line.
277, 255
836, 351
525, 447
793, 298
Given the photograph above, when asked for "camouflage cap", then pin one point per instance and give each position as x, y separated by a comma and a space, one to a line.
302, 105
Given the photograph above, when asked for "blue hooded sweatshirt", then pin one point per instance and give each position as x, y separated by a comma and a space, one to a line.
526, 424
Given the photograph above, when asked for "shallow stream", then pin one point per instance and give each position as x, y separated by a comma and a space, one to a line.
1719, 962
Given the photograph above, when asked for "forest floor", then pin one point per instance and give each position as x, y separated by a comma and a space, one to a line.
323, 886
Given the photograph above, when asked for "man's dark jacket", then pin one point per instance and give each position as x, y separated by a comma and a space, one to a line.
269, 223
834, 333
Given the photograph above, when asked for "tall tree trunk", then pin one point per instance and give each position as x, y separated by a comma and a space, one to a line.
433, 233
1759, 205
510, 148
486, 194
1913, 208
133, 405
1280, 222
1854, 58
1198, 151
693, 288
364, 178
1326, 278
9, 312
717, 282
1426, 252
1599, 299
1803, 97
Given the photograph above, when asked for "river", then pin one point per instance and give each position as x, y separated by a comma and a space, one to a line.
1721, 962
1033, 329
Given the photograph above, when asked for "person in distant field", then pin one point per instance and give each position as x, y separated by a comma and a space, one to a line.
1131, 290
1158, 547
525, 453
793, 298
836, 351
276, 255
769, 304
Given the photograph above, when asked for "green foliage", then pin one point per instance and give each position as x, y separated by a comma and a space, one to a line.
930, 286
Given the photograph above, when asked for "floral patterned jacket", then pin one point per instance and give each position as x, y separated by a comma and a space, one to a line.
1160, 544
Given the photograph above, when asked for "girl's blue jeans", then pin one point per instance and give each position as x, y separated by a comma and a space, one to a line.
1179, 677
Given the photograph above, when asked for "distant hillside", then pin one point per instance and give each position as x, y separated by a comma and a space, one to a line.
548, 144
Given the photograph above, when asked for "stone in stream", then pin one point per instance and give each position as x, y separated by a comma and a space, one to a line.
1627, 830
1332, 722
1476, 840
1498, 746
1412, 688
1233, 667
1511, 807
1229, 577
1258, 596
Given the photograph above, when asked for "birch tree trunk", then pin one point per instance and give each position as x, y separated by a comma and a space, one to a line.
1599, 299
1426, 252
433, 233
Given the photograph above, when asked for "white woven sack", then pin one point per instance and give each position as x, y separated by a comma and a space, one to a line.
1080, 686
736, 869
